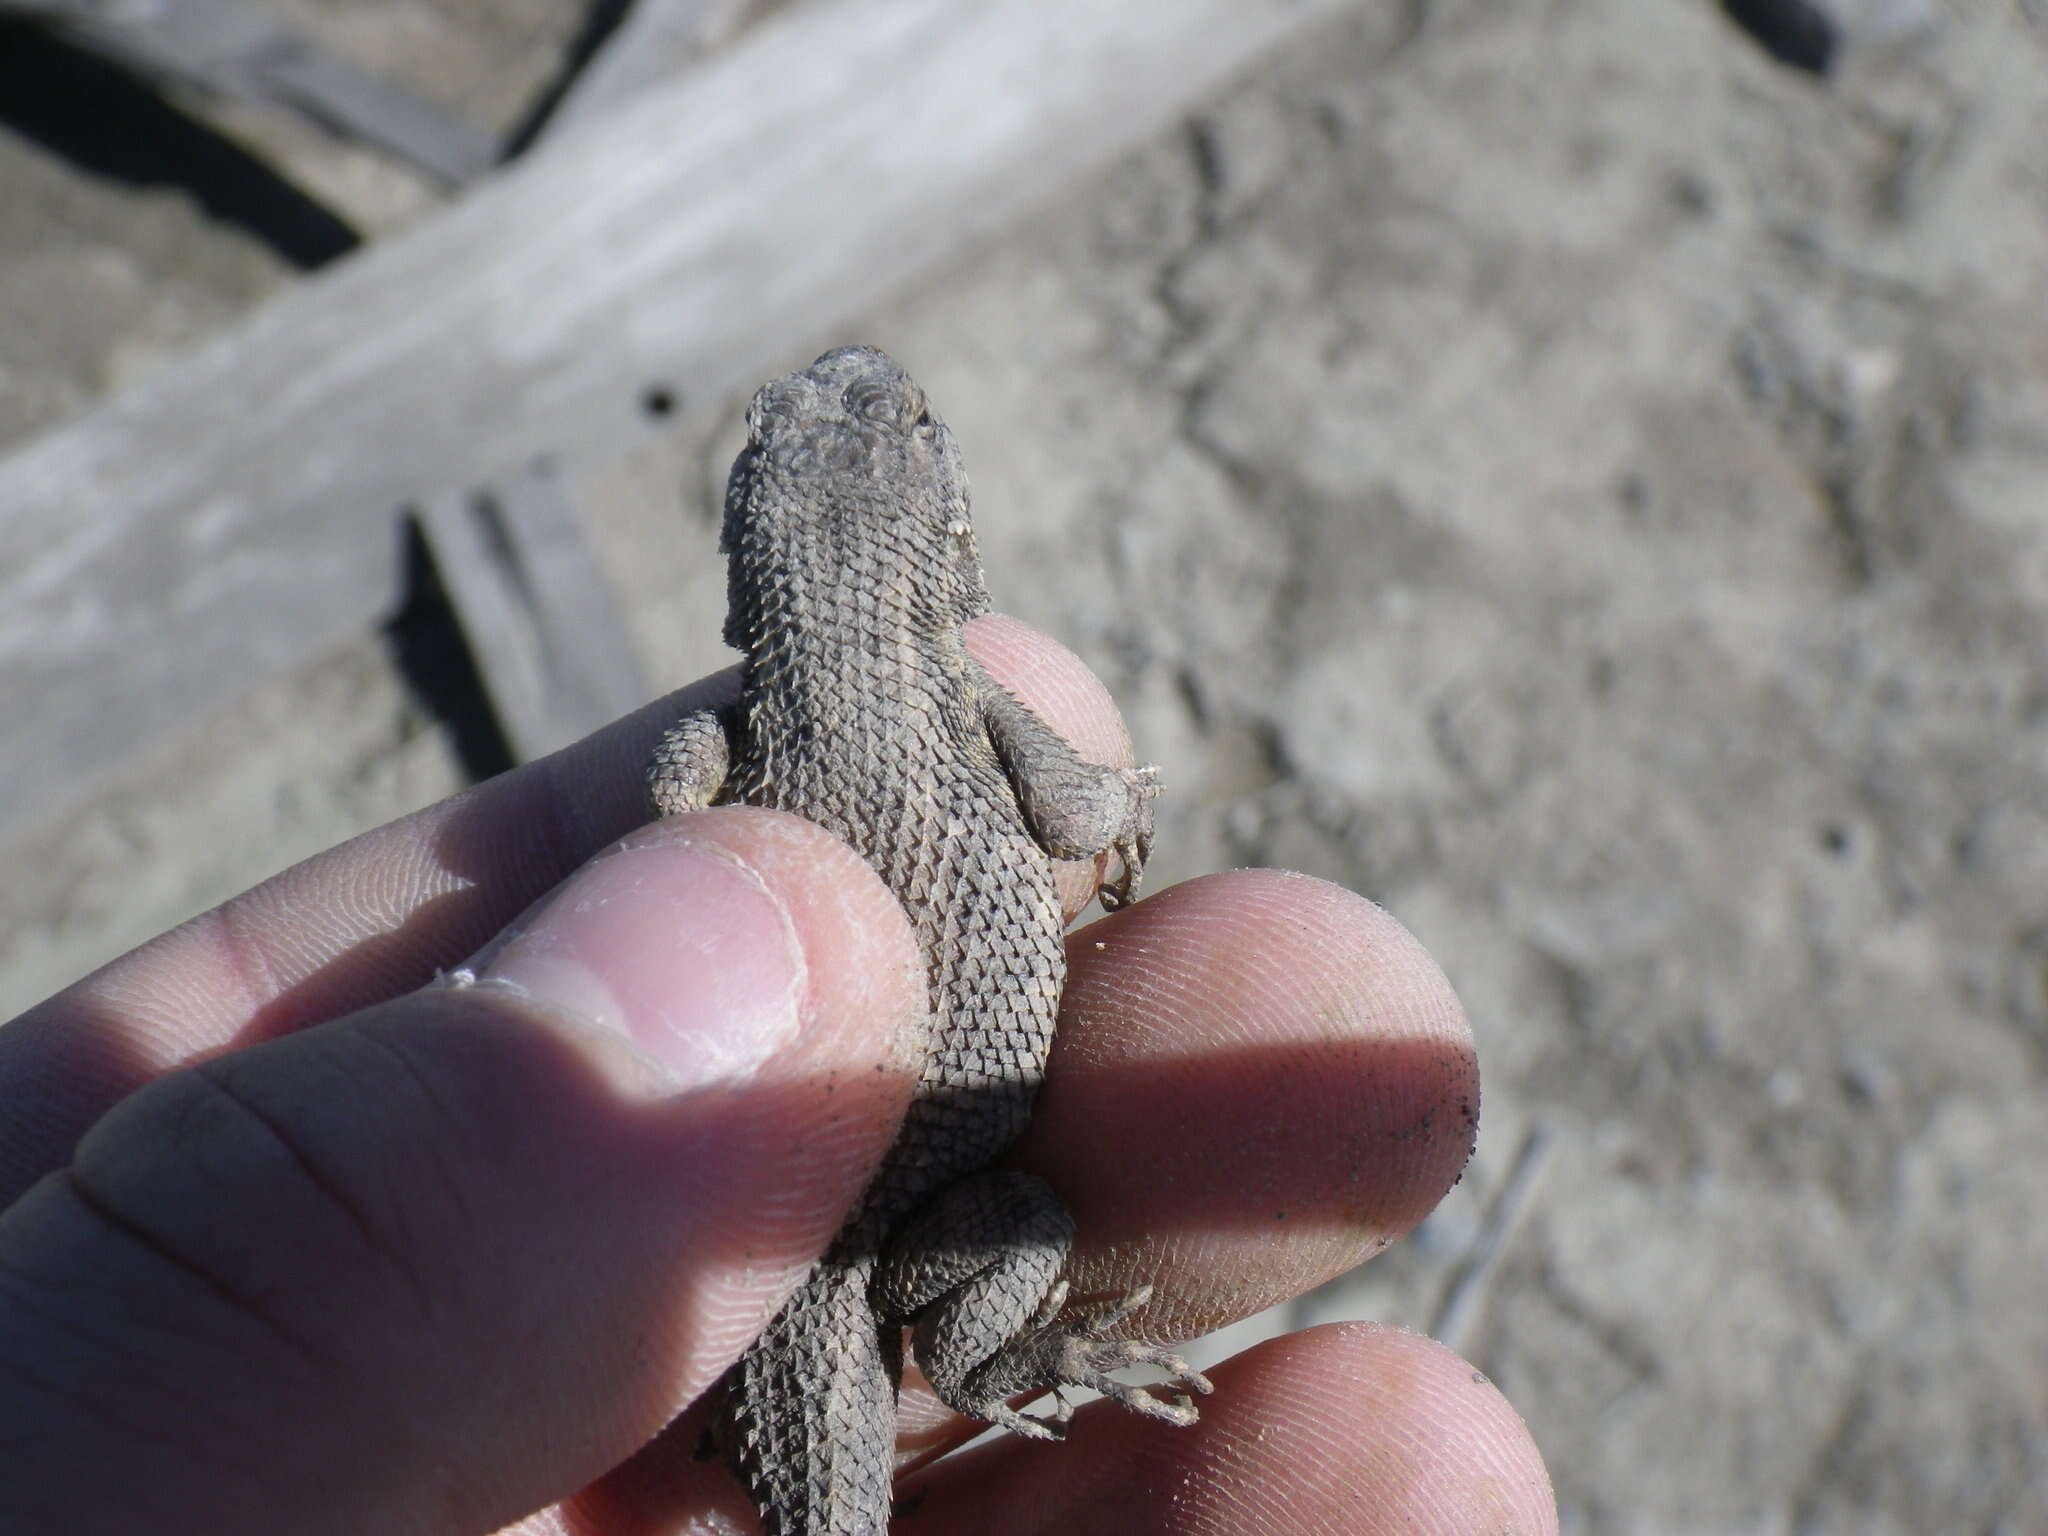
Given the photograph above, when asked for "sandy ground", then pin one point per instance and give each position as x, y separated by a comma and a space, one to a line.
1544, 466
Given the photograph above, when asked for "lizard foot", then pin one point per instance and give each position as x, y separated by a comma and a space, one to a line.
1080, 1353
1135, 846
1090, 1354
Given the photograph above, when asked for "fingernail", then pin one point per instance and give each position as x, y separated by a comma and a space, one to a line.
672, 942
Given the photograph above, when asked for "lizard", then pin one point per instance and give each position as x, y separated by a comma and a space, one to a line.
852, 568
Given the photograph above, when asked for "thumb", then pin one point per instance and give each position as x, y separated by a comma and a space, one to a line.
436, 1264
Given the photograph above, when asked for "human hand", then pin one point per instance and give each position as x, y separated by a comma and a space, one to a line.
347, 1249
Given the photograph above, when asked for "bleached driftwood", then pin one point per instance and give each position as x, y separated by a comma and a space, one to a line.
227, 516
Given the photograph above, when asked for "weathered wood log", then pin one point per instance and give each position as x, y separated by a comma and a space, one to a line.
227, 516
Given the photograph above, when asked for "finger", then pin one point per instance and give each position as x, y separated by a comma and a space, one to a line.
437, 1263
1346, 1430
380, 914
1260, 1081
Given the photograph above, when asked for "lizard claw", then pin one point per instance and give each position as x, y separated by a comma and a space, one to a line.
1135, 846
1177, 1408
1088, 1363
1087, 1355
1051, 1425
1080, 1353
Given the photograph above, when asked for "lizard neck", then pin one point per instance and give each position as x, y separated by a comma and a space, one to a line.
879, 569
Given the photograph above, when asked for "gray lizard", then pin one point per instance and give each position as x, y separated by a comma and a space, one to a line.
851, 569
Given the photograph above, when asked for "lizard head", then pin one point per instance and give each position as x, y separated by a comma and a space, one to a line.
849, 492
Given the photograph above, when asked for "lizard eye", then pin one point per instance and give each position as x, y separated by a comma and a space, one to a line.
960, 530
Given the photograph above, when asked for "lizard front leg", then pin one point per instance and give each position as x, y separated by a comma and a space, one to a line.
1074, 808
689, 766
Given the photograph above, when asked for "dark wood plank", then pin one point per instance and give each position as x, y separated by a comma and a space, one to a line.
239, 49
540, 618
657, 41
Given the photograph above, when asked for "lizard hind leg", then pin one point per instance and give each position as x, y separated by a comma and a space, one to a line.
978, 1269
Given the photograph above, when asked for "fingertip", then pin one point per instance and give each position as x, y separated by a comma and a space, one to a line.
718, 943
1261, 1079
1350, 1429
1378, 1430
1437, 1446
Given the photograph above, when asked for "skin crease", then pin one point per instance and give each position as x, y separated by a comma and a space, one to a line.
1321, 1089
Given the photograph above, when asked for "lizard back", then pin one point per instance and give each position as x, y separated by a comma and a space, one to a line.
852, 568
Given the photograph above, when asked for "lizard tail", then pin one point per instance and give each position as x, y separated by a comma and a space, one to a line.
809, 1422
